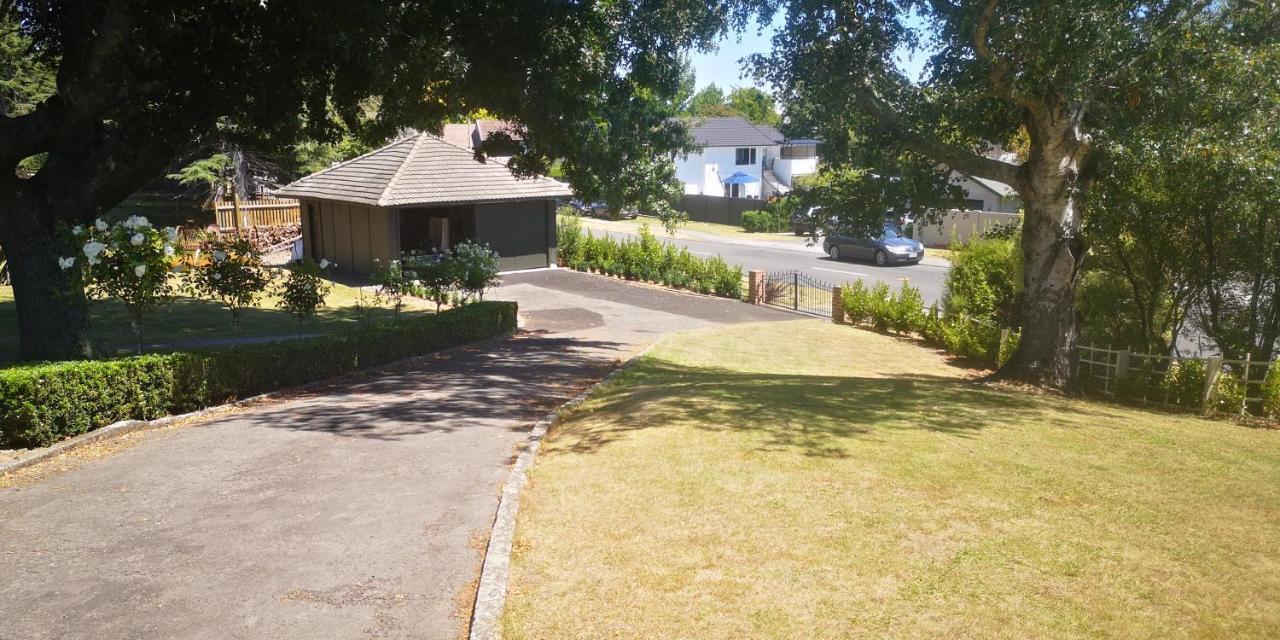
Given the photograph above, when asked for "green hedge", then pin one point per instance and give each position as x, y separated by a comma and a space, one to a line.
645, 259
41, 404
903, 312
765, 221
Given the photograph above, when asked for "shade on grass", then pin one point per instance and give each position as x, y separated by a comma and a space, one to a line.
806, 480
193, 319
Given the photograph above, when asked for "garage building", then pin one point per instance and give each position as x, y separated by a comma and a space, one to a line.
421, 192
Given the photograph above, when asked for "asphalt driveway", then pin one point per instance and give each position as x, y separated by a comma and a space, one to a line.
354, 509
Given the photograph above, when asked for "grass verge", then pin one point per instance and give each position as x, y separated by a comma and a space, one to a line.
726, 231
857, 486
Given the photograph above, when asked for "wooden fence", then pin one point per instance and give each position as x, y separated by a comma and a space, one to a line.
1104, 367
718, 209
263, 212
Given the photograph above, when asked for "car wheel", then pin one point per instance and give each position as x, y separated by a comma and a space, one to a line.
834, 252
882, 258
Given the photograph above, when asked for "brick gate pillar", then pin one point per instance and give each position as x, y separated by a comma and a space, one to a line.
837, 306
755, 287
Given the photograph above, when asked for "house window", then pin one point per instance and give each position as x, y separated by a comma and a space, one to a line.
745, 156
734, 191
973, 205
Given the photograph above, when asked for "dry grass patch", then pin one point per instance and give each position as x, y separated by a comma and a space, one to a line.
802, 479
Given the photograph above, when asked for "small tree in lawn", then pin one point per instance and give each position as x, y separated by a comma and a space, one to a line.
475, 268
233, 276
303, 289
394, 282
130, 261
436, 277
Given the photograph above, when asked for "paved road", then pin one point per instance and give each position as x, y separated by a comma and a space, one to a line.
356, 510
773, 256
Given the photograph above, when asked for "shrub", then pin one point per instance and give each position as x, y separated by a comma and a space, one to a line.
856, 301
968, 338
1184, 383
41, 404
303, 290
774, 218
233, 275
906, 310
474, 268
985, 281
648, 259
569, 239
1271, 391
1007, 346
881, 304
130, 261
1228, 394
394, 281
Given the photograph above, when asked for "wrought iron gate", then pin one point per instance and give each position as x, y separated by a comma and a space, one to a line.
798, 292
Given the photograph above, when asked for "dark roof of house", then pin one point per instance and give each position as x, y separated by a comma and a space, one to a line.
421, 170
732, 132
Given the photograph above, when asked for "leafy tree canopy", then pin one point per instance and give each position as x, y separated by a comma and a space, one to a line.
745, 102
1076, 76
142, 83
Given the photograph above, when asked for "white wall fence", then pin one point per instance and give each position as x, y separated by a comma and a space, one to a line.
957, 226
1104, 368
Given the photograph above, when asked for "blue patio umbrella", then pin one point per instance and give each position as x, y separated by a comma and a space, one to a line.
741, 178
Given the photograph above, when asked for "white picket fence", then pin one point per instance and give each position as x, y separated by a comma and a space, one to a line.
1103, 366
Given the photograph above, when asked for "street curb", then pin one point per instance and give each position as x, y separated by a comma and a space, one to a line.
491, 595
132, 426
120, 428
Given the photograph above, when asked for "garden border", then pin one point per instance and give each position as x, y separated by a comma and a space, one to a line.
491, 592
132, 426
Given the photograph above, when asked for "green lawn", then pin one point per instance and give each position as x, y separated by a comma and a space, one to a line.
195, 319
705, 228
806, 480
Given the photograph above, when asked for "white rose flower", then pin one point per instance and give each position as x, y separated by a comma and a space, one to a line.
77, 230
324, 264
217, 276
168, 251
219, 256
140, 270
141, 221
66, 263
92, 249
100, 225
137, 240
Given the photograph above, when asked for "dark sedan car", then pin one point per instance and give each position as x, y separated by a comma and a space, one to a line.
888, 248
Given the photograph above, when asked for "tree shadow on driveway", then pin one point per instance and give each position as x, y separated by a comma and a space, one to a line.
490, 384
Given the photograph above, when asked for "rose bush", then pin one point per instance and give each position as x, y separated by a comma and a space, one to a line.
232, 274
131, 261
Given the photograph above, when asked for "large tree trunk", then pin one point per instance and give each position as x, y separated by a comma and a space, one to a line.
1052, 251
53, 315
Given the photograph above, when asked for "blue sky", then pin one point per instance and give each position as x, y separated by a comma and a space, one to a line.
722, 67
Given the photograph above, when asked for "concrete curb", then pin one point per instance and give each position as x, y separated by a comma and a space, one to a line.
118, 429
132, 426
491, 595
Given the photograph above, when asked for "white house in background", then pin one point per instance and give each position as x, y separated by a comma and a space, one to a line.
738, 159
982, 194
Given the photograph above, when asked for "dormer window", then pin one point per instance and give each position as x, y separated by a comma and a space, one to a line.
745, 156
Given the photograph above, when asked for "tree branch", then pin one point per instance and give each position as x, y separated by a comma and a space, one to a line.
999, 75
956, 158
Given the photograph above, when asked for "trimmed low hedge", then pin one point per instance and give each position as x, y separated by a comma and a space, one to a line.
646, 259
42, 404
